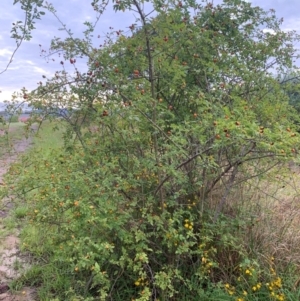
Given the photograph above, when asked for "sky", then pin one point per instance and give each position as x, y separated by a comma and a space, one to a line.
28, 67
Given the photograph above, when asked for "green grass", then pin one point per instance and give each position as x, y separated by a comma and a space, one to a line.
49, 136
14, 118
9, 135
21, 211
10, 224
45, 140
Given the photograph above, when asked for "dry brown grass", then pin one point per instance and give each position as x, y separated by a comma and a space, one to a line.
277, 228
270, 207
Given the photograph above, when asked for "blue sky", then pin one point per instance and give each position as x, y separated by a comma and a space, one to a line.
28, 66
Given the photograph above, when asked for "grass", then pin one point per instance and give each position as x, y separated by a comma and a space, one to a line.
9, 134
45, 140
49, 136
21, 211
10, 224
271, 206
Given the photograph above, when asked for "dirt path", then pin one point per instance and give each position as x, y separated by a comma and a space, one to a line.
9, 250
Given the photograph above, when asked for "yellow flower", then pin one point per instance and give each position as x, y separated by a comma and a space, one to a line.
227, 285
254, 288
280, 297
245, 293
277, 282
247, 272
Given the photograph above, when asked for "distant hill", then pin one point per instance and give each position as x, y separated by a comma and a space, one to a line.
25, 107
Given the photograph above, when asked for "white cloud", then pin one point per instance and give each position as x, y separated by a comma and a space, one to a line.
30, 62
40, 70
5, 94
267, 30
5, 52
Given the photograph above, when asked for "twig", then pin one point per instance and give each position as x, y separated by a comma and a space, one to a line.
179, 166
224, 198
